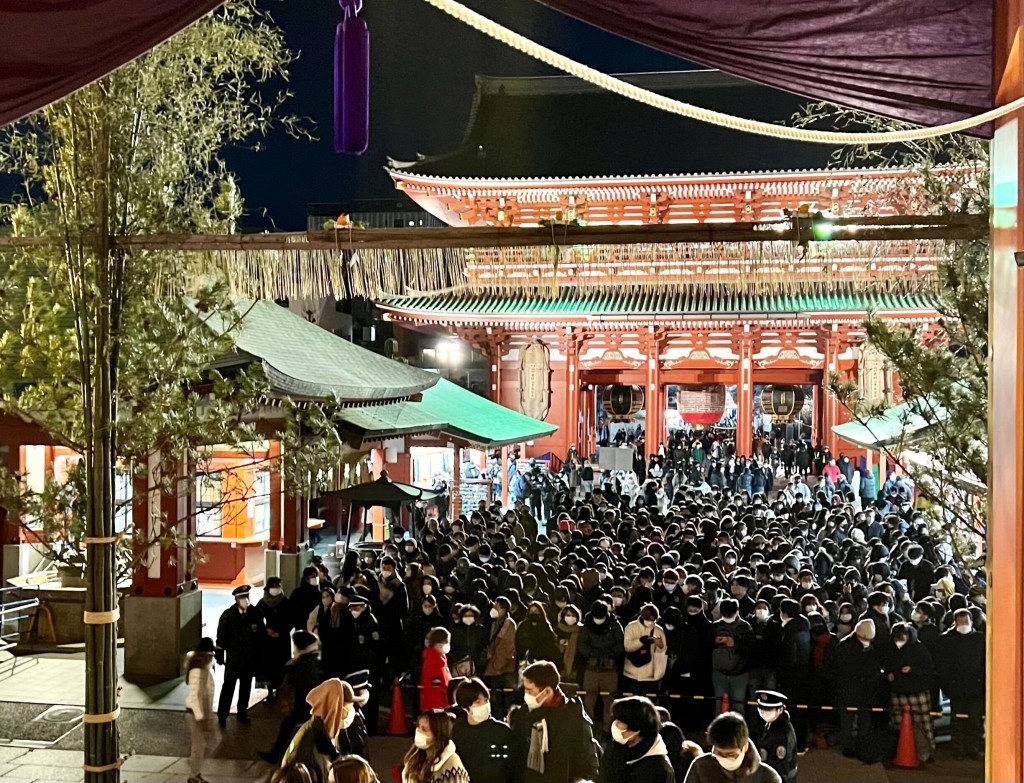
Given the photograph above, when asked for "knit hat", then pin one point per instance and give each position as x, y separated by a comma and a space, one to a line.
865, 629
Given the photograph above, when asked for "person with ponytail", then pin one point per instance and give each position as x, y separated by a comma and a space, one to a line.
432, 758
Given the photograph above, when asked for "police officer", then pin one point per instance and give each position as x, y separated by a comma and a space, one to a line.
352, 738
364, 650
239, 633
777, 745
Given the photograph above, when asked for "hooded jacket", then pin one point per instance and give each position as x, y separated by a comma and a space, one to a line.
601, 643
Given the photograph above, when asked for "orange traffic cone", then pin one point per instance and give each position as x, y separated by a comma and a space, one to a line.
397, 727
726, 704
906, 750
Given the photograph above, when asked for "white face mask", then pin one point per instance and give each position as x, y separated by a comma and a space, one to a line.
428, 589
446, 648
275, 591
768, 716
532, 702
349, 718
964, 629
901, 644
671, 586
478, 713
731, 765
669, 627
649, 623
468, 620
917, 617
313, 581
356, 611
495, 614
761, 615
570, 620
421, 740
600, 620
618, 734
616, 601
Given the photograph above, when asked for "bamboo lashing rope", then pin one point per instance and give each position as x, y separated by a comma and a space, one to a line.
105, 768
101, 618
102, 539
619, 87
104, 717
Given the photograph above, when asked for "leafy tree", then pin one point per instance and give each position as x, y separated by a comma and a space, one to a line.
110, 351
943, 368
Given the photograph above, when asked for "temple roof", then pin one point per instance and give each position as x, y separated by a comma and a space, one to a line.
701, 301
559, 126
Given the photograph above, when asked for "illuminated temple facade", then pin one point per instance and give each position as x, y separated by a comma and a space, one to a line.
559, 324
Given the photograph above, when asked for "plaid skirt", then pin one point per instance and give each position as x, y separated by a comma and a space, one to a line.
920, 711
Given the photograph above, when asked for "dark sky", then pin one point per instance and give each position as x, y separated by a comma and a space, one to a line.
422, 68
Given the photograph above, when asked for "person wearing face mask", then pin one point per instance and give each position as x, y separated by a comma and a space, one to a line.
502, 666
646, 659
730, 656
535, 638
777, 744
858, 668
621, 605
918, 573
880, 612
353, 737
362, 650
600, 651
391, 610
305, 598
421, 620
276, 648
433, 757
240, 631
551, 737
765, 650
482, 740
315, 742
733, 758
912, 676
469, 642
434, 674
301, 674
961, 669
567, 633
637, 753
669, 593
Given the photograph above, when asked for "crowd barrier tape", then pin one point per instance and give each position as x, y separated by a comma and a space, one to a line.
750, 702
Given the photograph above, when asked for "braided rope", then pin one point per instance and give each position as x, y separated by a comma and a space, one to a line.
618, 86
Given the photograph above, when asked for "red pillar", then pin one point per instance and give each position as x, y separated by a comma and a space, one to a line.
276, 499
165, 569
455, 492
745, 395
1005, 707
571, 347
830, 405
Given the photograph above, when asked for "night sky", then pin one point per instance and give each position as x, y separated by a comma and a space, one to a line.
422, 69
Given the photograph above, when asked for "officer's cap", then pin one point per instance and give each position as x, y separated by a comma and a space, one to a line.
770, 699
241, 590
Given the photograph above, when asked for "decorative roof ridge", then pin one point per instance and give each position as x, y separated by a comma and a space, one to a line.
697, 79
396, 173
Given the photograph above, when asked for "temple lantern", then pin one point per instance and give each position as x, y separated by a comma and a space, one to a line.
701, 406
622, 403
783, 403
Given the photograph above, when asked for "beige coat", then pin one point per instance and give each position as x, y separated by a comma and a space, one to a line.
501, 652
631, 642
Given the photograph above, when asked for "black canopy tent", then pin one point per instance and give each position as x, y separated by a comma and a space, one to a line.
380, 492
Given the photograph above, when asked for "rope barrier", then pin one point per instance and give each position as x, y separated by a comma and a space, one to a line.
639, 94
703, 697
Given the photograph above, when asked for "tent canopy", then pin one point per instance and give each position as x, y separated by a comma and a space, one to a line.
382, 492
898, 423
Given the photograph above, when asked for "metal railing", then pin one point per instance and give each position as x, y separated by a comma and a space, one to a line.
19, 607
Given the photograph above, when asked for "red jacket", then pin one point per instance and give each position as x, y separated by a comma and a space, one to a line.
434, 680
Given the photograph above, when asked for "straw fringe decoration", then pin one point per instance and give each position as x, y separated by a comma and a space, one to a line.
755, 268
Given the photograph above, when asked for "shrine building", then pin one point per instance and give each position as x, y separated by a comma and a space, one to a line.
679, 333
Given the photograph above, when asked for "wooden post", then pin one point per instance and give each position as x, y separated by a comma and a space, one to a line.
455, 492
276, 498
504, 477
1004, 734
571, 348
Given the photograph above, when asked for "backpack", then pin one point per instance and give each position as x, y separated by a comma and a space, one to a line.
725, 658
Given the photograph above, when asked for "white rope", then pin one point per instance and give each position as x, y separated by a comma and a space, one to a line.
639, 94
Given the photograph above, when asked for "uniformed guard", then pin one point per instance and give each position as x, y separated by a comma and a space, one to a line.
239, 634
777, 745
352, 739
364, 650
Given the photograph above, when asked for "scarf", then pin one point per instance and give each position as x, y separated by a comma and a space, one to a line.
327, 701
539, 736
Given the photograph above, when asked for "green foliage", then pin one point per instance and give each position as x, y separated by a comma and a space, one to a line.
140, 153
943, 372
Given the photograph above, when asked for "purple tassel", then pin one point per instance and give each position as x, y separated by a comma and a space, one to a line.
352, 82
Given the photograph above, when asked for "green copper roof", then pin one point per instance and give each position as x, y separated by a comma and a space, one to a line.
391, 420
699, 301
476, 419
898, 423
304, 361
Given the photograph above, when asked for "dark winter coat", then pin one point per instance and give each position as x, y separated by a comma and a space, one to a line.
920, 674
962, 665
778, 747
858, 674
484, 749
795, 652
572, 753
731, 646
706, 769
469, 641
302, 674
240, 635
645, 762
600, 646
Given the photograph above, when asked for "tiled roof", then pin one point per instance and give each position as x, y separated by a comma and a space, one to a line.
700, 301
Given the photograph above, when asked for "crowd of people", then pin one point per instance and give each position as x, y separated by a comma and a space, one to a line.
589, 644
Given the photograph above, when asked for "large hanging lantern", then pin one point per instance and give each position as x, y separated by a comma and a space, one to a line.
783, 403
701, 406
622, 403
